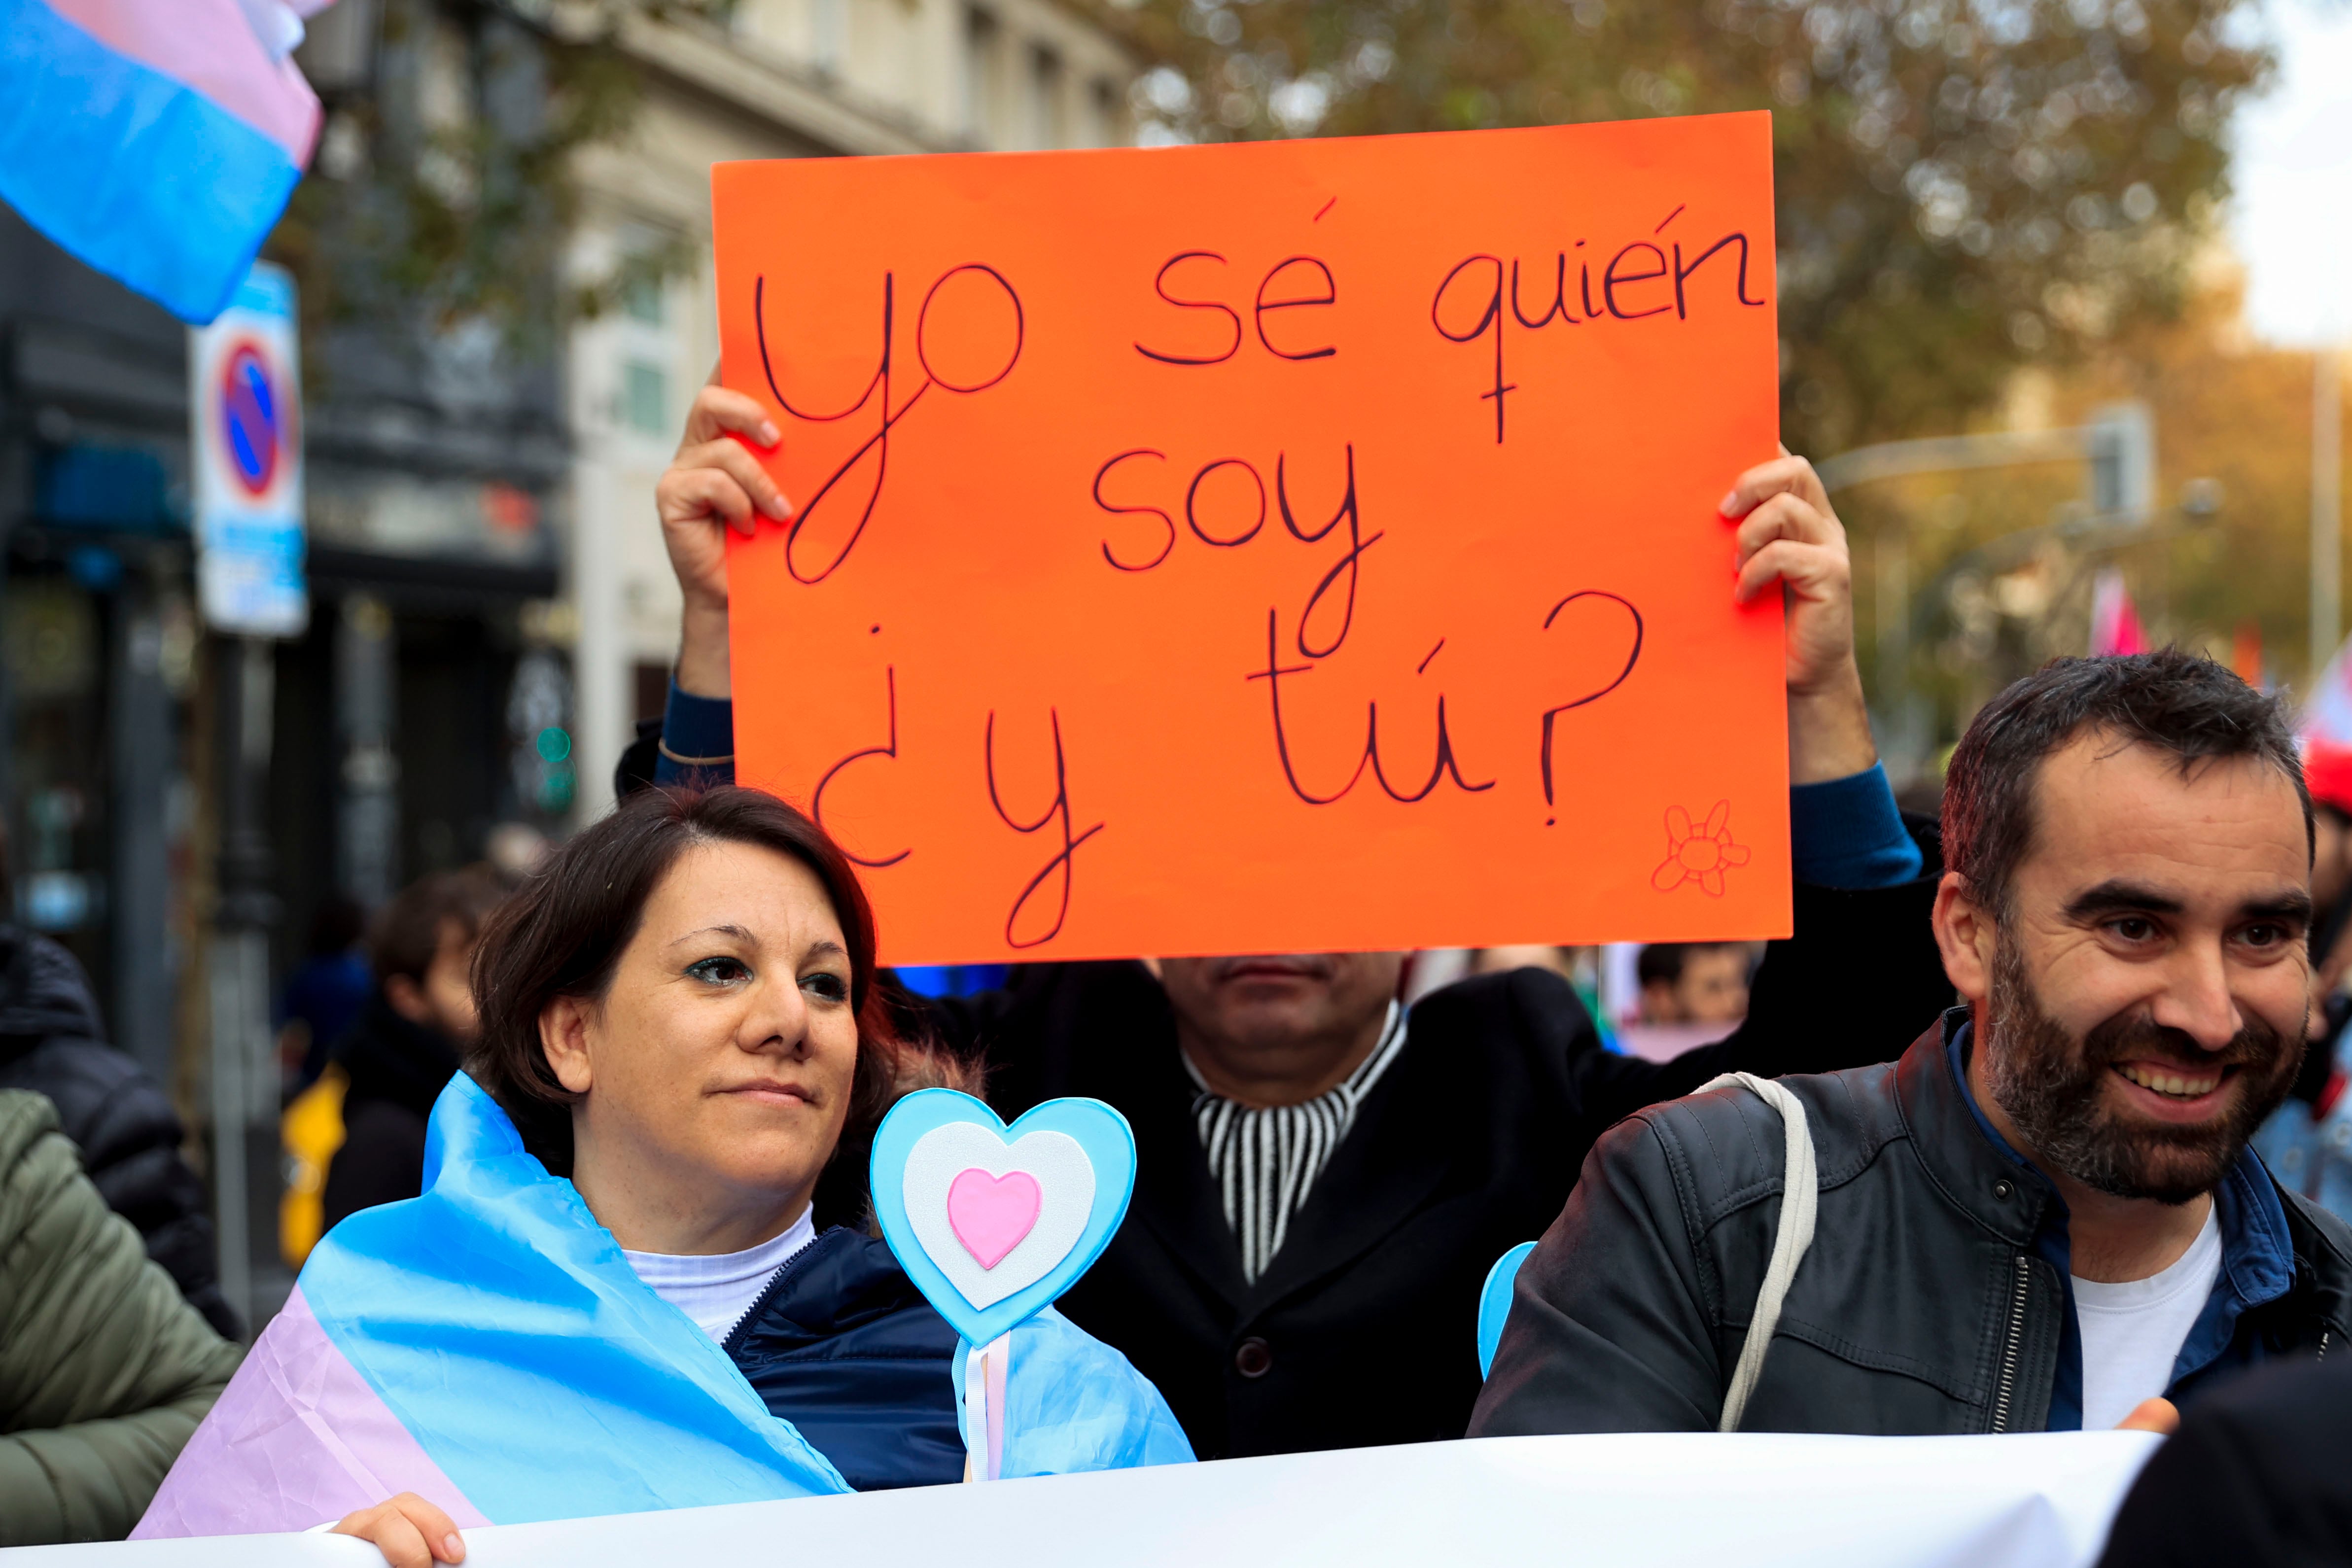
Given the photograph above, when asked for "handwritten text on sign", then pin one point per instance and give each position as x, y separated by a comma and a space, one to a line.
1295, 546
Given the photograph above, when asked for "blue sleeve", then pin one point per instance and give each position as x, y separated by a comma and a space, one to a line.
1846, 833
696, 727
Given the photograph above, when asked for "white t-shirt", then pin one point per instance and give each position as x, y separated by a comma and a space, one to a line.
2132, 1331
717, 1289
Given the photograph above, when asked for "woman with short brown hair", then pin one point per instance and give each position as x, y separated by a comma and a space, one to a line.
613, 1294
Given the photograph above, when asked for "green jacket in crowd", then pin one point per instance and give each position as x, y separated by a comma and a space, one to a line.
105, 1369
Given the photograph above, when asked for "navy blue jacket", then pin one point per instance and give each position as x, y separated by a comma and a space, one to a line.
843, 1346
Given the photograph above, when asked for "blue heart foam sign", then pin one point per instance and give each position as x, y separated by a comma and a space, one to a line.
993, 1223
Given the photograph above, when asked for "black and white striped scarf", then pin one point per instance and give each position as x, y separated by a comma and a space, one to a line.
1265, 1159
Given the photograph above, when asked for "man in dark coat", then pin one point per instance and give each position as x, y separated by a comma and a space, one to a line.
1324, 1179
52, 1043
2256, 1475
1361, 1328
2046, 1215
407, 1041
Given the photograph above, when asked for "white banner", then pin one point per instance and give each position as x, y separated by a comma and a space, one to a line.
1652, 1499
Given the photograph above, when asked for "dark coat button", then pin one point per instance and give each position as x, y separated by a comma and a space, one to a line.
2003, 1189
1253, 1357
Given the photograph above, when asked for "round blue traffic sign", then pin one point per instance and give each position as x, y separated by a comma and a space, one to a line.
251, 412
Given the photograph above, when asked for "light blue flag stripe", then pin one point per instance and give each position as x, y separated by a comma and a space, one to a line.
500, 1324
141, 177
1073, 1403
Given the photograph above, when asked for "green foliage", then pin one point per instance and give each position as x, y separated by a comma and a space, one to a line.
1963, 186
446, 194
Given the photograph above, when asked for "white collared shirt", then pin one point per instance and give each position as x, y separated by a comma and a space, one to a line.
1266, 1158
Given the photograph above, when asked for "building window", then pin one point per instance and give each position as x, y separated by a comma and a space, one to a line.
980, 39
645, 398
1102, 107
641, 300
1048, 126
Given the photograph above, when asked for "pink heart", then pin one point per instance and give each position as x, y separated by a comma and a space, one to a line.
989, 1214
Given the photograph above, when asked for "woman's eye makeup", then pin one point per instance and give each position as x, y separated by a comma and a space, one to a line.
718, 971
825, 984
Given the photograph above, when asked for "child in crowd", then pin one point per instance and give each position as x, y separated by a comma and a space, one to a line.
408, 1039
1694, 982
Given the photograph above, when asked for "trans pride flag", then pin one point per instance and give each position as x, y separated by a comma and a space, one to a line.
156, 140
487, 1348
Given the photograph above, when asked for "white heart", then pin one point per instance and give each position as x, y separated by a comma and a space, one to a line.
1066, 1197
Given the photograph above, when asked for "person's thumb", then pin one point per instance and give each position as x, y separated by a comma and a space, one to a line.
2157, 1415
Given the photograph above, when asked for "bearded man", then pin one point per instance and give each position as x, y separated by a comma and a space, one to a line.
2045, 1213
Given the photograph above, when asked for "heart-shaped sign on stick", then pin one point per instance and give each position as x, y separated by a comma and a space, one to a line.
992, 1223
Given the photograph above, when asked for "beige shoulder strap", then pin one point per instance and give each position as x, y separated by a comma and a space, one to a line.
1799, 1198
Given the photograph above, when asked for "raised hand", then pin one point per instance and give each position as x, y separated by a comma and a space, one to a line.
714, 484
1788, 536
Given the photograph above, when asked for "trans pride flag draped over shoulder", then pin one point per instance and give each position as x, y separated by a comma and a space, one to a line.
487, 1347
156, 140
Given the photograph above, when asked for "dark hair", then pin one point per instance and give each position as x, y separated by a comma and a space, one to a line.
564, 931
336, 927
407, 932
1661, 963
2169, 701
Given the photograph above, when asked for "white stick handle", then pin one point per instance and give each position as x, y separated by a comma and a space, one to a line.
984, 1373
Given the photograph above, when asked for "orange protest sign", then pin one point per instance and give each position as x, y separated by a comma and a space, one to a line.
1291, 546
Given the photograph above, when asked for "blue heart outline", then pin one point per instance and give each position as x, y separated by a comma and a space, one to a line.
1101, 1131
1495, 1303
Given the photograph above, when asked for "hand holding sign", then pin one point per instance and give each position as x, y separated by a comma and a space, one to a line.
714, 484
1790, 539
992, 1223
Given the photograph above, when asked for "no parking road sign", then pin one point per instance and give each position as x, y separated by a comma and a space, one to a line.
245, 391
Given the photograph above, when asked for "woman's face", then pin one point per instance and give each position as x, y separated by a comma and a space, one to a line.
716, 1070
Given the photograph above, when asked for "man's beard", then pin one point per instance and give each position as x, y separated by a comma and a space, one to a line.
2052, 1086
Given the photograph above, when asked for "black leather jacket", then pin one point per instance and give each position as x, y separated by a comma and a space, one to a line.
1922, 1307
52, 1043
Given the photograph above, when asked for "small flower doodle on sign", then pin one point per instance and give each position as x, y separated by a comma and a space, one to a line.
1699, 853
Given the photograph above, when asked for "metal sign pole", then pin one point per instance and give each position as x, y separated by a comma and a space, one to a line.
245, 387
244, 1069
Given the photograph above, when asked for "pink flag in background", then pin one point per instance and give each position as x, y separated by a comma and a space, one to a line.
2115, 622
2326, 732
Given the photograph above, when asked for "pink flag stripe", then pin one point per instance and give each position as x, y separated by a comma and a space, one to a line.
298, 1439
209, 47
